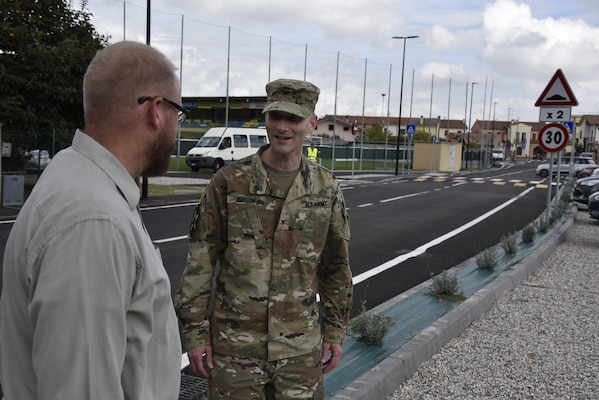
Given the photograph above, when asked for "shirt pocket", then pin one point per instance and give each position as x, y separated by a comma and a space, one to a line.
245, 233
314, 234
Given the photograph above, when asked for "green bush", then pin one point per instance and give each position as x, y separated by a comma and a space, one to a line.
445, 283
542, 225
370, 328
446, 287
509, 244
528, 233
487, 259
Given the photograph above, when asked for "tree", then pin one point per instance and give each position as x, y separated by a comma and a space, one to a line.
376, 134
45, 47
421, 136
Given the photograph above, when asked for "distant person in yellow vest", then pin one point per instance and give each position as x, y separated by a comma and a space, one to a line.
312, 153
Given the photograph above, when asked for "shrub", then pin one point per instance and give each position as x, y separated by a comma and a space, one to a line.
446, 287
487, 259
509, 244
542, 225
445, 284
528, 233
370, 328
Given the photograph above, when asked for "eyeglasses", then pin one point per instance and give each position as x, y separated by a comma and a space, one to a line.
182, 112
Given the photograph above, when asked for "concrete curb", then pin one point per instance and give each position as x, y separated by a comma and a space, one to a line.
382, 380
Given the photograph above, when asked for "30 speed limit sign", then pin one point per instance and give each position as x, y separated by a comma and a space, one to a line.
553, 137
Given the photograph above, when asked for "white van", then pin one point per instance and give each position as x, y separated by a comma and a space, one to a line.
220, 146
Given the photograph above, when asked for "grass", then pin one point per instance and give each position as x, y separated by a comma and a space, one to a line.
166, 190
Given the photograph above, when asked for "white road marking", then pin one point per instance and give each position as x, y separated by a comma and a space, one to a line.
422, 249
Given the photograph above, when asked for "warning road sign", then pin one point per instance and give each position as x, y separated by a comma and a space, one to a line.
557, 93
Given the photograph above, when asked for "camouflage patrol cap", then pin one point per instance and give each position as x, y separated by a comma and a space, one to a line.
292, 96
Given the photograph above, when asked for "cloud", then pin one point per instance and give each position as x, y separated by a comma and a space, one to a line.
518, 44
514, 44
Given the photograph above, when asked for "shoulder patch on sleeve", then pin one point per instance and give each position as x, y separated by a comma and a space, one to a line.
196, 216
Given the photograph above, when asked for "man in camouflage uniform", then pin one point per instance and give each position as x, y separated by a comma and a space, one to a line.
277, 227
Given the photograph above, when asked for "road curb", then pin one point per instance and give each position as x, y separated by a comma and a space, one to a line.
382, 380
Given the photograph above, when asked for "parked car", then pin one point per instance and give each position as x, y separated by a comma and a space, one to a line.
587, 154
498, 154
594, 205
588, 171
585, 187
579, 164
36, 160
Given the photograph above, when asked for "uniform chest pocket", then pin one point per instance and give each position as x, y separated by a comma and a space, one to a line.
314, 233
244, 230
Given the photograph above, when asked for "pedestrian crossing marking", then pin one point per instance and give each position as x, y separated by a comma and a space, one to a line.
494, 181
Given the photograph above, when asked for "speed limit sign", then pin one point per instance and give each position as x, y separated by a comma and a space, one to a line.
553, 137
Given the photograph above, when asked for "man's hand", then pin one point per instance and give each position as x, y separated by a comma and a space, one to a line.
330, 363
196, 360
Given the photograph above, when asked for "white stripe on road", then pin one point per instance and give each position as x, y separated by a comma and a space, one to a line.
171, 239
420, 250
403, 197
195, 203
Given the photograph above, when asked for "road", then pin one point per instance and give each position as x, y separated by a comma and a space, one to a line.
403, 229
419, 226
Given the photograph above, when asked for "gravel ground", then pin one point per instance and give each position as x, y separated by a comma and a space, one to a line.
540, 341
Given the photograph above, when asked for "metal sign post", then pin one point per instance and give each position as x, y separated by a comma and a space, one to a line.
555, 104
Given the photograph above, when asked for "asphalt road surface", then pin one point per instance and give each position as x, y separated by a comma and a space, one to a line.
403, 229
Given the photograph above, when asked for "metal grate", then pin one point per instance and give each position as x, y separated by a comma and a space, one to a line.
193, 388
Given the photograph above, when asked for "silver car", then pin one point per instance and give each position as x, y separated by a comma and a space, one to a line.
579, 164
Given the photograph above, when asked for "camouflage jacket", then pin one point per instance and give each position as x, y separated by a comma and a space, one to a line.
274, 253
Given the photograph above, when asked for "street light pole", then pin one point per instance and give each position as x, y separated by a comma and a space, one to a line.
383, 104
468, 153
403, 62
508, 130
493, 134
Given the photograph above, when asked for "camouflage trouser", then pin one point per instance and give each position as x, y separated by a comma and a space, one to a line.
245, 378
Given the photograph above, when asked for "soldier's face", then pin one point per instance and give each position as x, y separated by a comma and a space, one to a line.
287, 132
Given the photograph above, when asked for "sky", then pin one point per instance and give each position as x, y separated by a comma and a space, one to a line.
471, 60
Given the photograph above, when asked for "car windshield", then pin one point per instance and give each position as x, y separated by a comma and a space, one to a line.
208, 141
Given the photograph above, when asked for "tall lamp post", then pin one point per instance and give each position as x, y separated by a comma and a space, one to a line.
383, 104
508, 130
403, 62
468, 154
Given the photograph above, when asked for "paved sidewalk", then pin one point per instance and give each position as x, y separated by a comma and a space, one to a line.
539, 341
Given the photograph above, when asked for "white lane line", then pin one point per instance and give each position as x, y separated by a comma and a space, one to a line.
171, 239
365, 205
403, 197
195, 203
422, 249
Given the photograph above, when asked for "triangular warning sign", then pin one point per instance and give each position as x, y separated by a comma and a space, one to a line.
557, 92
